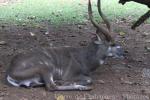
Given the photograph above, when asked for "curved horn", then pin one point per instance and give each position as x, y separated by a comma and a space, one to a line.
108, 24
100, 29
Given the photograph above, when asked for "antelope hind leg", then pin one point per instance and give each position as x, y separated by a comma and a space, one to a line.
82, 84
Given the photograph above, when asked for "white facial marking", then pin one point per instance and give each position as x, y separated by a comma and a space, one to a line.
89, 81
23, 63
46, 63
101, 62
110, 54
41, 62
109, 49
118, 47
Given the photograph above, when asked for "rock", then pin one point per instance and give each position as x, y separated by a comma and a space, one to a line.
128, 75
32, 34
23, 98
146, 83
19, 19
3, 43
126, 51
73, 17
145, 91
107, 98
147, 41
136, 83
147, 49
145, 34
146, 73
83, 43
80, 26
44, 94
31, 17
122, 33
125, 82
2, 94
46, 33
1, 98
23, 24
3, 26
101, 82
72, 36
129, 66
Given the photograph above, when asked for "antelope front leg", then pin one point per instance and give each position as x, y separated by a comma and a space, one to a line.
49, 82
51, 86
80, 83
83, 80
72, 87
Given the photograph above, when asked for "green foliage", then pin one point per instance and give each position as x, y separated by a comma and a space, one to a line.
65, 11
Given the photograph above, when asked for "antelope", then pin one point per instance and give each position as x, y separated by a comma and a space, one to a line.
64, 68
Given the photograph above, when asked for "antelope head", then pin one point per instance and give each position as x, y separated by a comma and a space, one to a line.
104, 39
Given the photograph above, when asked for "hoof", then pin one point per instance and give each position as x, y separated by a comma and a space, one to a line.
83, 88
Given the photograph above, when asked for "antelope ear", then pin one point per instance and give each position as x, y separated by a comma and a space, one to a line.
98, 40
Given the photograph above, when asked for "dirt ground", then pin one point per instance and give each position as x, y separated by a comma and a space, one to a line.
127, 79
